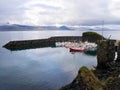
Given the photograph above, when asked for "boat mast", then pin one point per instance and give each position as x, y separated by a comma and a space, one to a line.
102, 28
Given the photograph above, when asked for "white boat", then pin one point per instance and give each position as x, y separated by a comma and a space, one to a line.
91, 47
78, 46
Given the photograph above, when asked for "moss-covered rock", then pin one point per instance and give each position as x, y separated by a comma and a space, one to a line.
92, 37
90, 79
112, 84
85, 80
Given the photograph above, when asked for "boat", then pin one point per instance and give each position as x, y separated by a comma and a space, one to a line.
91, 47
78, 46
77, 50
84, 47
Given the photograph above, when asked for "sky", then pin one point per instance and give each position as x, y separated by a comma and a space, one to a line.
60, 12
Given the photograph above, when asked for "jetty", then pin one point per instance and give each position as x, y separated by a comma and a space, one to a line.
51, 42
39, 43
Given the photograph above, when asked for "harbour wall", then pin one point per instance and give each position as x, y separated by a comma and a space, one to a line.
39, 43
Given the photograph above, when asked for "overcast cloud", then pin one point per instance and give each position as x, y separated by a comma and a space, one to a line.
59, 12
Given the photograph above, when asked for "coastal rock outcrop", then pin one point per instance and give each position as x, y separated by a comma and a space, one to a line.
85, 80
89, 79
105, 53
92, 37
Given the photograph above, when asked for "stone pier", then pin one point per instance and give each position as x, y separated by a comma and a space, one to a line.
49, 42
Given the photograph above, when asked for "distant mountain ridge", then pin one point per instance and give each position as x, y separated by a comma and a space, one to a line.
17, 27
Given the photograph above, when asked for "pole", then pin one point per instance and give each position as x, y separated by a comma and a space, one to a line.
102, 29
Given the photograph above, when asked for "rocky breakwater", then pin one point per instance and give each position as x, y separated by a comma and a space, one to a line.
28, 44
106, 75
38, 43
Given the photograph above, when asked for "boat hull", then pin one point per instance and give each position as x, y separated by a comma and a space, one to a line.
76, 50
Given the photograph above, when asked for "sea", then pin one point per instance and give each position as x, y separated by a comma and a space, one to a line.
47, 68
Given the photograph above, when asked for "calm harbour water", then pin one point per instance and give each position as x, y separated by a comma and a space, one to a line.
41, 68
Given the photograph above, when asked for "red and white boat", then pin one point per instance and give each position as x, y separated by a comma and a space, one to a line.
83, 47
77, 49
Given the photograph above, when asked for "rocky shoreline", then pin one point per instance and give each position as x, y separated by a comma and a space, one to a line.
105, 76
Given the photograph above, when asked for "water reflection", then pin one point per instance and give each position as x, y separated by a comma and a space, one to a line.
43, 68
91, 53
88, 53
